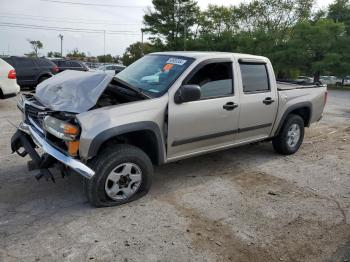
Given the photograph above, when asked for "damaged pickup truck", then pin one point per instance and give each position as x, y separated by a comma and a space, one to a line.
163, 108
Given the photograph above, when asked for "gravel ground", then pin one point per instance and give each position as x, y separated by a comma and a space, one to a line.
243, 204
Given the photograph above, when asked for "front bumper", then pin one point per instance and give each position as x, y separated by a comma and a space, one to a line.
28, 138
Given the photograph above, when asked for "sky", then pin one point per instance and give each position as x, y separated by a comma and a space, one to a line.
120, 19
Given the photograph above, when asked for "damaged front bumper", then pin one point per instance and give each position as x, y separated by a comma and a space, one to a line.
27, 138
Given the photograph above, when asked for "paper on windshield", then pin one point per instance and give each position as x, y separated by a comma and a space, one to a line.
72, 91
176, 61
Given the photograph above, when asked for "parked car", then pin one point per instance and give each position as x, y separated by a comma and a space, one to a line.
162, 108
304, 79
111, 69
31, 71
64, 64
8, 84
331, 80
346, 81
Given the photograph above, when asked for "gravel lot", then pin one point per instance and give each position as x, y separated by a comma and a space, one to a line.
243, 204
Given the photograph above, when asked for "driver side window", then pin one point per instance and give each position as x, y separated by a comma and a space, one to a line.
214, 79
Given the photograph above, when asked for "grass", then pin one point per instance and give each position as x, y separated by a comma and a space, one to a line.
345, 88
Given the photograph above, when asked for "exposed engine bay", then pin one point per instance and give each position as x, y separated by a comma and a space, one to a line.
116, 94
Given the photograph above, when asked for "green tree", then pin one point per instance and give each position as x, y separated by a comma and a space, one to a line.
134, 52
171, 21
76, 54
320, 48
105, 58
339, 11
53, 54
36, 45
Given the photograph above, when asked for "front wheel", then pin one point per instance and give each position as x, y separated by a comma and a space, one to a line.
290, 136
123, 173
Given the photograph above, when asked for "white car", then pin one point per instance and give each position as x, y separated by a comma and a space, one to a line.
111, 69
330, 80
304, 79
8, 83
346, 81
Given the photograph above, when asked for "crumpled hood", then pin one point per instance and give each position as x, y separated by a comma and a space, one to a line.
72, 91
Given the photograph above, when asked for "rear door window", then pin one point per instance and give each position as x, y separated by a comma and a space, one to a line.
255, 78
24, 62
74, 64
43, 62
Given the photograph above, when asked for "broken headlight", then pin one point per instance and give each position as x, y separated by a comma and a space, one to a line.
61, 129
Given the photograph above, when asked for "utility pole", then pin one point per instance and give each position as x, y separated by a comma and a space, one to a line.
185, 28
61, 37
142, 41
104, 46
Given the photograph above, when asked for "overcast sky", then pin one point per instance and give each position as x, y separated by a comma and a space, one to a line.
125, 22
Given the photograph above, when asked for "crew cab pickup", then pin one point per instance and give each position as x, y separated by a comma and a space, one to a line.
162, 108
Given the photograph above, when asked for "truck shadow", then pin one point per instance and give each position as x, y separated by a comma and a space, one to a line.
20, 192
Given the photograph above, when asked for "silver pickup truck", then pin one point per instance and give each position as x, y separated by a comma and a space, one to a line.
163, 108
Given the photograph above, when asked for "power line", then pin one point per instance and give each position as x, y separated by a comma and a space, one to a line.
69, 29
93, 4
63, 20
59, 18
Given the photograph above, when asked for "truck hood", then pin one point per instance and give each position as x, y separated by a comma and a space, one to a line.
72, 91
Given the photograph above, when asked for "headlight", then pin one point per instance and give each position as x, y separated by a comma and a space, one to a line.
60, 129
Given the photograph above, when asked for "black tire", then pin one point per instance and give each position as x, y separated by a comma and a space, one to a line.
108, 160
43, 78
280, 142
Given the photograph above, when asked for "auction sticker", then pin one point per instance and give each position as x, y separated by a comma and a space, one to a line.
176, 61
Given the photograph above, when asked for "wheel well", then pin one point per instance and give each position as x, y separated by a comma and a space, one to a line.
304, 113
144, 139
44, 75
1, 93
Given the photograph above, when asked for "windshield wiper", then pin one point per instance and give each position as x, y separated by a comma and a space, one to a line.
135, 89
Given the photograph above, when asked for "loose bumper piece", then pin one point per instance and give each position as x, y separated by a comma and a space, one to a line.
27, 138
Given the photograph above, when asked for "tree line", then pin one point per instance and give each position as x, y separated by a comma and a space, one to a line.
297, 38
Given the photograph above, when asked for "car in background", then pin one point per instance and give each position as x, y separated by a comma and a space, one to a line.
64, 64
31, 71
331, 80
111, 69
304, 79
346, 81
8, 84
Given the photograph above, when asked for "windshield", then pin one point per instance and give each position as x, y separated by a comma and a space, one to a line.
154, 74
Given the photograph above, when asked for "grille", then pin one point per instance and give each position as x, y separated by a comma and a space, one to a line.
35, 113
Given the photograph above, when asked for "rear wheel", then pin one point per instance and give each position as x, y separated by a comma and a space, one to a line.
123, 173
290, 136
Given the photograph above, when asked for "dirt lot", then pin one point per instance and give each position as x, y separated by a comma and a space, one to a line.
243, 204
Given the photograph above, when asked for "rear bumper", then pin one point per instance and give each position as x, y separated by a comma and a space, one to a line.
28, 138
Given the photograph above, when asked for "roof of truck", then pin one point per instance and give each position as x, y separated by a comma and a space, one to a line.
202, 54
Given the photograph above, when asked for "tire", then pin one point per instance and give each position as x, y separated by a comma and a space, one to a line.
42, 79
112, 178
287, 142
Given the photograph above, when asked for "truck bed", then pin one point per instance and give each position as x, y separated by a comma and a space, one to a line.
282, 86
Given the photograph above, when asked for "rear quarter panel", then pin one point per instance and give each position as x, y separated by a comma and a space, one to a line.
294, 98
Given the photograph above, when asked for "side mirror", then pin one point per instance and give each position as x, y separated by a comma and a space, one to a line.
187, 93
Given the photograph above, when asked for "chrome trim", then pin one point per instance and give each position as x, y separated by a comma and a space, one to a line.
35, 125
24, 127
76, 165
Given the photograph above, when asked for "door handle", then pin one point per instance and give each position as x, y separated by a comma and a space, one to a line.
268, 101
230, 106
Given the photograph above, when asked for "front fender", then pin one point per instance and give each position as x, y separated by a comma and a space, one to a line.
107, 134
